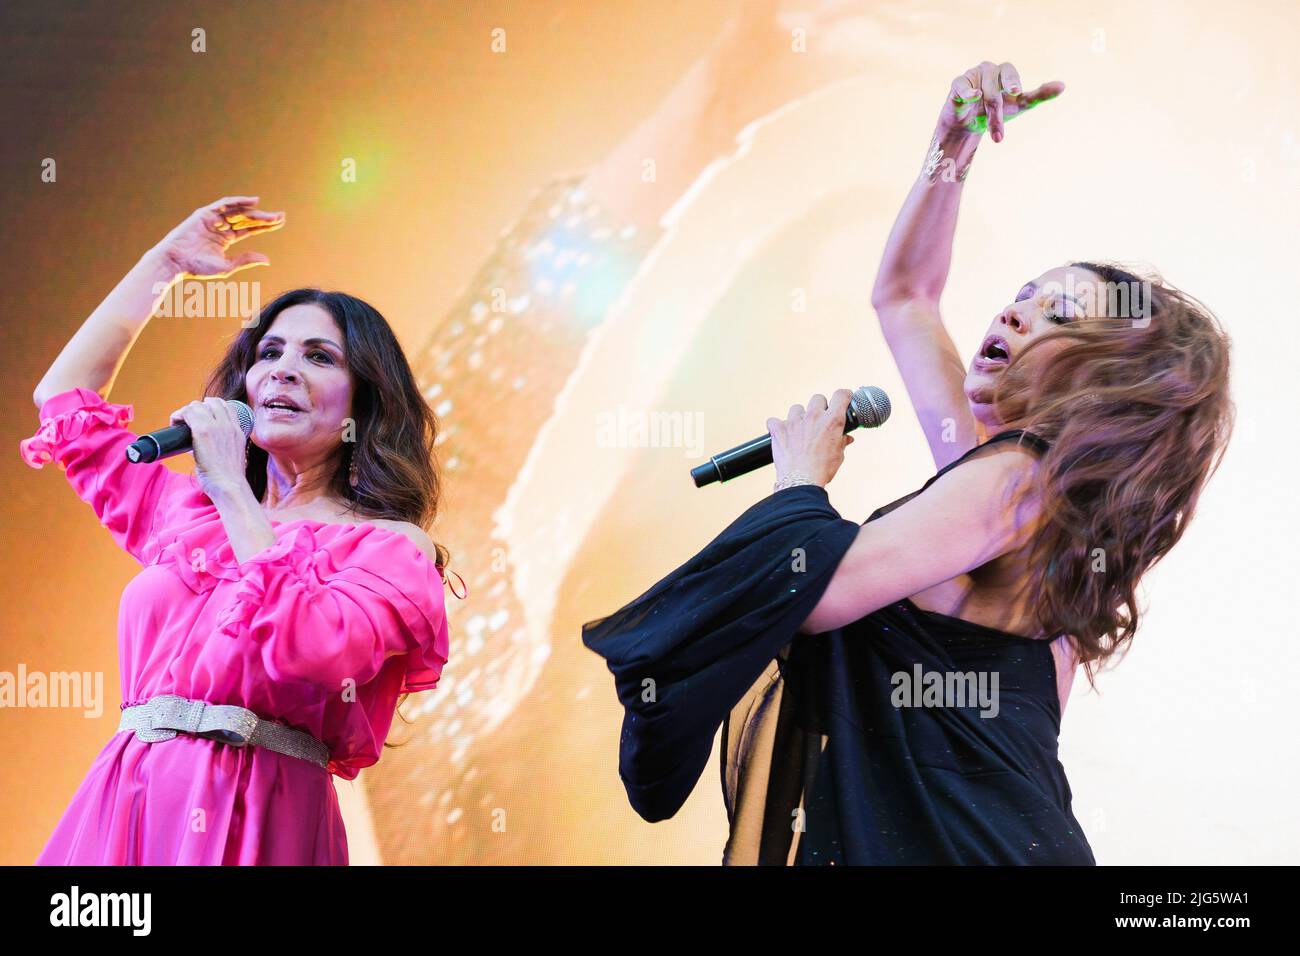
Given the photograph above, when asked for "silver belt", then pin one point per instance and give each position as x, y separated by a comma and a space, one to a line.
164, 716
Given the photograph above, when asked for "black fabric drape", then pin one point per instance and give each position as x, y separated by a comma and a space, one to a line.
688, 649
819, 764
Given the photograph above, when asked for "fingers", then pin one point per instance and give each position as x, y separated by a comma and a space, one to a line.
246, 261
195, 413
205, 413
966, 95
1048, 91
1001, 96
223, 415
253, 223
238, 218
262, 214
795, 414
835, 409
990, 87
231, 203
1009, 79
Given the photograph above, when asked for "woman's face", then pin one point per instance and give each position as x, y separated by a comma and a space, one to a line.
1057, 297
299, 386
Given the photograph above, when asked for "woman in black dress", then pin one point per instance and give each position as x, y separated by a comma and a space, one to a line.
892, 692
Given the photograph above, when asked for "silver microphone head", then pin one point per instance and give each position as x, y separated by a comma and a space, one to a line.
245, 415
870, 407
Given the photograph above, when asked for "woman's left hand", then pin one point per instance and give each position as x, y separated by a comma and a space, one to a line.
219, 445
986, 97
811, 443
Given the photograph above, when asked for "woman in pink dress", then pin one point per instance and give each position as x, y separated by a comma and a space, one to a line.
289, 593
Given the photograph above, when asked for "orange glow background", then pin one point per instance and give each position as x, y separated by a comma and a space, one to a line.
1175, 144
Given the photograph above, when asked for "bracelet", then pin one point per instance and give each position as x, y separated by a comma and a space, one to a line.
789, 481
935, 159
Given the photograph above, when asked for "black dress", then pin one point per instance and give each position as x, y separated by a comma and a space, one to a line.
819, 766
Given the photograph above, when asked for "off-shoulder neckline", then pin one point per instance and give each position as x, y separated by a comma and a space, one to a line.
361, 525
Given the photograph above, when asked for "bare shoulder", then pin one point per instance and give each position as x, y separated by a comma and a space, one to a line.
990, 497
411, 531
1001, 472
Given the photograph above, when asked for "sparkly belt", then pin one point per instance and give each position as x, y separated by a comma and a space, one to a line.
164, 716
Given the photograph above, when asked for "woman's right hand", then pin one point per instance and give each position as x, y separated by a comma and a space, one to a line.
198, 246
220, 446
985, 97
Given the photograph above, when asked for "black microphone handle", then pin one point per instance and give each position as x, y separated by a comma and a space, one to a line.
177, 439
163, 443
742, 459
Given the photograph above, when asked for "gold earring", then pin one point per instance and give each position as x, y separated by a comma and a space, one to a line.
352, 467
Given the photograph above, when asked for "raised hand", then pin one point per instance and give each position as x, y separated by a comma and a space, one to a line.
198, 246
986, 97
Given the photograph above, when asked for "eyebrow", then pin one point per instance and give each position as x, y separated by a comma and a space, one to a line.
277, 340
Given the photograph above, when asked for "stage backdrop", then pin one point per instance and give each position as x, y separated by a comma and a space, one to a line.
739, 216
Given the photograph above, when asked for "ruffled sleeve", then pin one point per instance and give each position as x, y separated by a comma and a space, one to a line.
685, 652
87, 437
325, 611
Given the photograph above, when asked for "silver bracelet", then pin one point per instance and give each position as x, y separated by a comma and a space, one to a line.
935, 159
789, 481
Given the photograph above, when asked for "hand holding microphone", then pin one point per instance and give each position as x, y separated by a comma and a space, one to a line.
808, 443
216, 431
808, 446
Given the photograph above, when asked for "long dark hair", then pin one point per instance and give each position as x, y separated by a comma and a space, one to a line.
1139, 415
397, 471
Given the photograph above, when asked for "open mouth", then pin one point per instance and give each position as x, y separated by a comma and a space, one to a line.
281, 405
994, 351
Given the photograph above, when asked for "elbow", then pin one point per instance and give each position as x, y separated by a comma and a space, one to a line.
889, 292
891, 298
47, 388
882, 298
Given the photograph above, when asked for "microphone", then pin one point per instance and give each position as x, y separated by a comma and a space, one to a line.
869, 408
176, 439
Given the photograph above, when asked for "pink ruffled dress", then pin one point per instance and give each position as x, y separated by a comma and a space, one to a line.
321, 631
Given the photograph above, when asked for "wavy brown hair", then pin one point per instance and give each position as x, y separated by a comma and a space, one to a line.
397, 472
1137, 410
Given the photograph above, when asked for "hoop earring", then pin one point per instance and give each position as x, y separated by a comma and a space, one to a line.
352, 467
